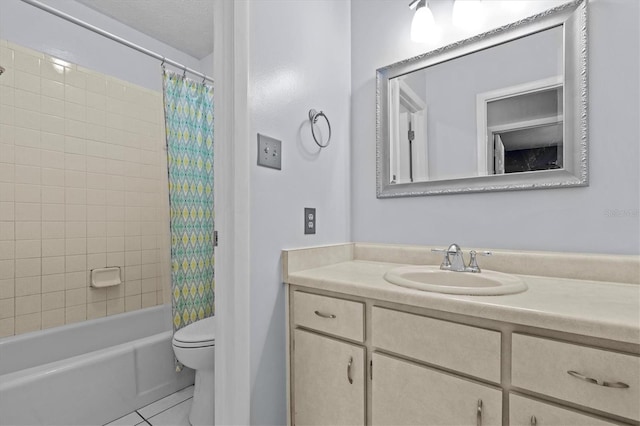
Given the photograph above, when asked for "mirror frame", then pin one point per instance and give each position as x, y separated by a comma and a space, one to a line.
572, 17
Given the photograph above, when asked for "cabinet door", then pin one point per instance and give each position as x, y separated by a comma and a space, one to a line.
529, 412
408, 394
328, 381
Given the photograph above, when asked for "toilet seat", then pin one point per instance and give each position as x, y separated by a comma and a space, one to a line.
196, 335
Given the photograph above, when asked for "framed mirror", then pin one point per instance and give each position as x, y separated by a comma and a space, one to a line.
504, 110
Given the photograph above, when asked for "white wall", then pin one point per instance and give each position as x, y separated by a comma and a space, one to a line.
299, 60
31, 27
600, 218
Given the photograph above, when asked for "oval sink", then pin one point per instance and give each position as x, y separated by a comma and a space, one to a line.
432, 278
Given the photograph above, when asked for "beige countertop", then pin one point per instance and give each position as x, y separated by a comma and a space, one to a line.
599, 309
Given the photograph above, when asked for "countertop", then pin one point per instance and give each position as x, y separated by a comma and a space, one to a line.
600, 309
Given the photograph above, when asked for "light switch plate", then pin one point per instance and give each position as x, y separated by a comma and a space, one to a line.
269, 152
309, 220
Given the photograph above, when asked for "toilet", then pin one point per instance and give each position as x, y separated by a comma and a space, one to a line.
194, 346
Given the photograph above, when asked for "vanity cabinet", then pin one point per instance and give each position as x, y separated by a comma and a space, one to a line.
405, 393
359, 361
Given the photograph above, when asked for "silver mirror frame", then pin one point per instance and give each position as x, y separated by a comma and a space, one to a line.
573, 17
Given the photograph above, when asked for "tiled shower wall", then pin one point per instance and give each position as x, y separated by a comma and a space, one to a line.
83, 185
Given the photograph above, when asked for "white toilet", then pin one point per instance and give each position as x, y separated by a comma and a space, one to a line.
194, 346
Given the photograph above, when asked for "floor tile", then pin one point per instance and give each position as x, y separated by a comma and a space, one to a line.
166, 402
131, 419
177, 415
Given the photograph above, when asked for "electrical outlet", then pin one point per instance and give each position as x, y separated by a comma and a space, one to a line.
309, 220
269, 152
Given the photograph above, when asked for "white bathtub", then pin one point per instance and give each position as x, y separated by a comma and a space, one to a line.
89, 373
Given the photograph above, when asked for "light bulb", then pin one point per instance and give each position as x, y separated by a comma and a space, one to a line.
468, 14
423, 26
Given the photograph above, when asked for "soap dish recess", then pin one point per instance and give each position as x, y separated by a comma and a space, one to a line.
105, 277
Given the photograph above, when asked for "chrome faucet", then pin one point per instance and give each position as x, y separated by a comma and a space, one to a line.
454, 259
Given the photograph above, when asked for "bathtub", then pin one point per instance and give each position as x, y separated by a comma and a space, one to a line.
89, 373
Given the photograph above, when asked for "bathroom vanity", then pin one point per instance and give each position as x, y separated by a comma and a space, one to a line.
364, 351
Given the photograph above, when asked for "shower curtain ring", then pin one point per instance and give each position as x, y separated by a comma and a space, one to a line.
184, 72
162, 63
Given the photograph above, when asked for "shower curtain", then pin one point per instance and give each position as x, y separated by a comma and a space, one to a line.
188, 107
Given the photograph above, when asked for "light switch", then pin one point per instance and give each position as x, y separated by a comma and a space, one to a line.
269, 152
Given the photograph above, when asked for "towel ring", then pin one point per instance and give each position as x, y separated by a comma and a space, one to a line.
313, 118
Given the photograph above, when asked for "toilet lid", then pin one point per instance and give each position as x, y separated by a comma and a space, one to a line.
201, 332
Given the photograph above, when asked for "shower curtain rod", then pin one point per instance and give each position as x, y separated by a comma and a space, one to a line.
115, 38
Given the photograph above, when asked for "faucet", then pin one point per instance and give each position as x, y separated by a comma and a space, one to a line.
454, 259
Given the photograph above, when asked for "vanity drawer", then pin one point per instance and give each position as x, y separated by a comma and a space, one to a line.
527, 412
330, 315
471, 350
543, 366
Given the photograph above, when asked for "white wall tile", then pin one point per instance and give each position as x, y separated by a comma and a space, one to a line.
74, 179
27, 193
96, 260
25, 62
96, 245
53, 300
75, 213
76, 279
75, 111
75, 314
52, 229
28, 230
7, 287
27, 100
26, 81
52, 71
75, 196
55, 282
96, 197
75, 162
76, 263
7, 153
52, 124
27, 267
52, 247
75, 246
27, 174
52, 106
53, 213
53, 318
28, 286
27, 156
52, 88
7, 269
75, 78
115, 258
51, 142
27, 323
28, 249
53, 265
74, 94
96, 229
7, 231
114, 244
53, 194
27, 212
7, 191
7, 250
7, 211
7, 172
76, 296
96, 213
27, 137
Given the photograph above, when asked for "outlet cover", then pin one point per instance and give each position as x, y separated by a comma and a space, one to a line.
269, 152
309, 220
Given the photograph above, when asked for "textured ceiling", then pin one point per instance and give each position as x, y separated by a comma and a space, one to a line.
186, 25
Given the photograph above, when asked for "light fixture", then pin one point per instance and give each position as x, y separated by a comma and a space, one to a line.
423, 26
468, 14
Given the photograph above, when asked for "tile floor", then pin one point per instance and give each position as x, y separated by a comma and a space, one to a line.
172, 410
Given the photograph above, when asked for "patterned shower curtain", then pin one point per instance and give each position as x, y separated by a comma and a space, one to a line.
188, 108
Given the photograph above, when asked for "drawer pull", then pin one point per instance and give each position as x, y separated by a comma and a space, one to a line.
479, 413
349, 371
533, 421
617, 385
329, 316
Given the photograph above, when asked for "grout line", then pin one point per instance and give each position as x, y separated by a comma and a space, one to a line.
166, 409
143, 418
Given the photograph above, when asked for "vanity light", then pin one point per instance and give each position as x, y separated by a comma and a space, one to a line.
467, 14
423, 26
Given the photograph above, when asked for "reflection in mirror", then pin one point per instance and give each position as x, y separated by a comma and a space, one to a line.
503, 110
446, 118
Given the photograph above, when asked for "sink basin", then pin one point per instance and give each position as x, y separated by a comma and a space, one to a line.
432, 278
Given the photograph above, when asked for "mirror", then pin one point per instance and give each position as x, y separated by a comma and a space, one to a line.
505, 110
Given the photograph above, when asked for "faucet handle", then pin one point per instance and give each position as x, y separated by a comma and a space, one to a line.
446, 262
473, 262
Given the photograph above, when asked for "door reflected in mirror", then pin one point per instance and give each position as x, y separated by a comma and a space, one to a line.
494, 111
